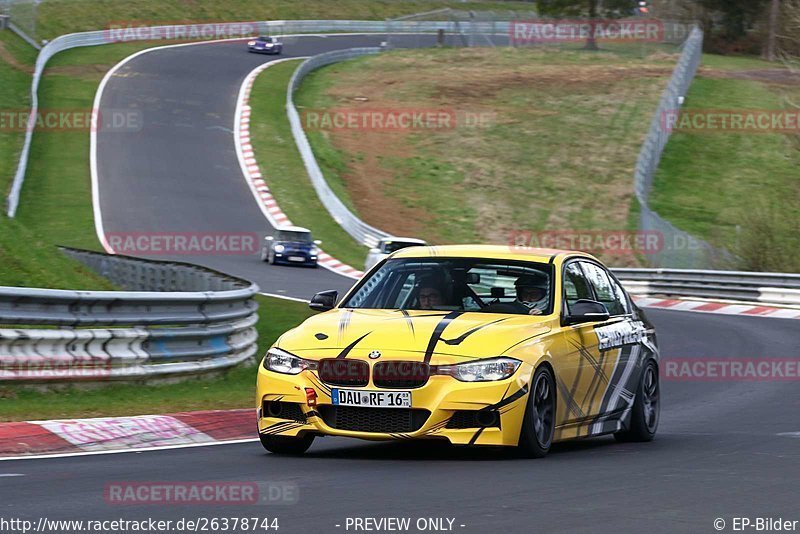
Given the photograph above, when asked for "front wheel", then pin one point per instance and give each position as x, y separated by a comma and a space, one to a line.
646, 408
538, 425
286, 445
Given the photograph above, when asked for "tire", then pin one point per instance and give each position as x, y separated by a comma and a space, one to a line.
264, 255
646, 408
538, 425
286, 445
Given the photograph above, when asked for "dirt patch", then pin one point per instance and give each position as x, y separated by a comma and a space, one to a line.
768, 76
80, 71
9, 58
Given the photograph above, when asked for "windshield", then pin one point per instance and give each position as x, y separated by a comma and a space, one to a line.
265, 39
394, 246
299, 237
457, 284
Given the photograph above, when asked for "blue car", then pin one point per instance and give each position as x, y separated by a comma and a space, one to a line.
265, 45
291, 245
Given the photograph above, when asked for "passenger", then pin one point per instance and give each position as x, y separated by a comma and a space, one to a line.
532, 293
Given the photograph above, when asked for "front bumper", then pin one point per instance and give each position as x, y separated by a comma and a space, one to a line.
439, 409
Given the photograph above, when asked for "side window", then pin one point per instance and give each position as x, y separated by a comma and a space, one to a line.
575, 285
606, 289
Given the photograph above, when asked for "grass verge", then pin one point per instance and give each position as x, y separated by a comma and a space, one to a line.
738, 190
283, 169
58, 18
541, 139
234, 389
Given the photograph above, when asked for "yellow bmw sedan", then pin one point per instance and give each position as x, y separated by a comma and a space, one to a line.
476, 345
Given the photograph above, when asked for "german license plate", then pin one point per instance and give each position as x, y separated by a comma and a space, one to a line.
296, 258
371, 399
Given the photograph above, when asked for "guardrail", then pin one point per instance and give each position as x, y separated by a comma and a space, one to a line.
358, 229
173, 319
774, 288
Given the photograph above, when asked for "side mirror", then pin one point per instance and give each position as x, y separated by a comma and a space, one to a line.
374, 251
587, 311
324, 301
317, 242
270, 238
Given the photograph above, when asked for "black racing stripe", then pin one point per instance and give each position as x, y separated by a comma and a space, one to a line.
508, 400
460, 339
409, 321
597, 380
572, 406
319, 384
477, 435
277, 427
521, 341
437, 333
616, 377
351, 346
312, 413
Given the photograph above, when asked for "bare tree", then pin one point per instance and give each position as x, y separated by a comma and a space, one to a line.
770, 52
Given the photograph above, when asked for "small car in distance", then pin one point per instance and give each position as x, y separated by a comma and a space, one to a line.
290, 245
476, 345
388, 245
265, 45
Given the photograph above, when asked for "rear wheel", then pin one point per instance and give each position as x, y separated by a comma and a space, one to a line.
286, 445
646, 408
538, 425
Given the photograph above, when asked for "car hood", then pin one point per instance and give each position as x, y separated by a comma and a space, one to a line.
459, 336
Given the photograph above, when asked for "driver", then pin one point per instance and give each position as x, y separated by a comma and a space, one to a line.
430, 294
532, 292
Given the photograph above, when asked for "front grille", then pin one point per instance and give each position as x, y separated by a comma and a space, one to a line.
384, 420
343, 372
400, 374
474, 419
283, 410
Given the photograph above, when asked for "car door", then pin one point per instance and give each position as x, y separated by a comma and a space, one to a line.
619, 349
581, 368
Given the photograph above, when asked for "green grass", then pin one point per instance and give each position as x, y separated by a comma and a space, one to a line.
60, 17
566, 125
740, 190
283, 169
14, 97
234, 389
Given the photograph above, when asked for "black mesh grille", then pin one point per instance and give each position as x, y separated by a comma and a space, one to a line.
283, 410
400, 374
384, 420
474, 419
343, 372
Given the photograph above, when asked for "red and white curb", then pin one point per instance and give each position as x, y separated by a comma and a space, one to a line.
252, 171
76, 436
723, 308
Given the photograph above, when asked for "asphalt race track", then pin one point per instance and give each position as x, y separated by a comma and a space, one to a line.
724, 449
717, 454
179, 173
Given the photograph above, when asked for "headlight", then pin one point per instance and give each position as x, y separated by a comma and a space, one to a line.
251, 43
279, 248
281, 361
482, 370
